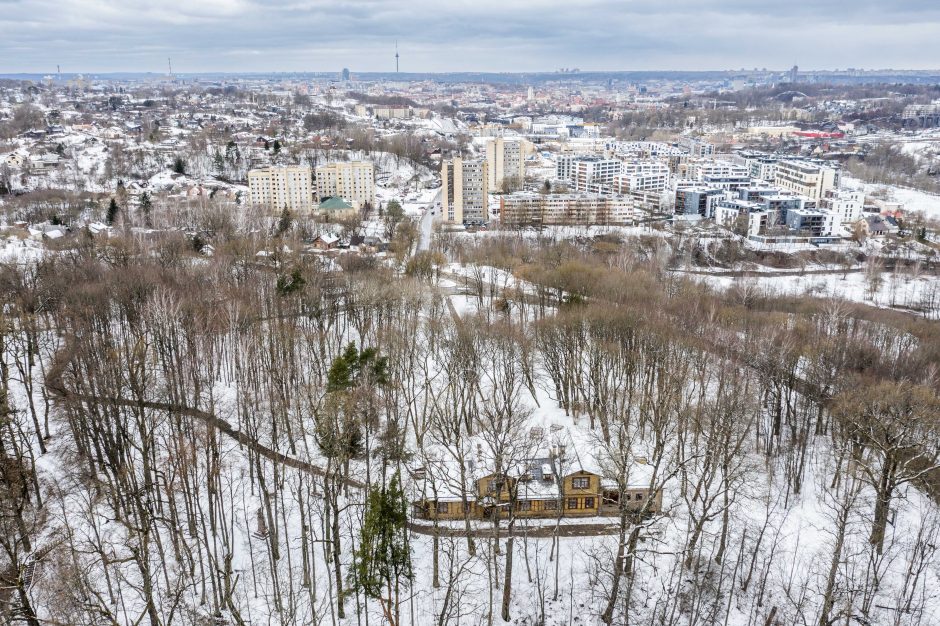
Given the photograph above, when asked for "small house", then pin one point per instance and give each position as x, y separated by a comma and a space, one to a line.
326, 242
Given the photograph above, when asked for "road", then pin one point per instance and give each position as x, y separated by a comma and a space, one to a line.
427, 223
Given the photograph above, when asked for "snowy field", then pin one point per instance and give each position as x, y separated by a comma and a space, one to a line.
912, 199
889, 291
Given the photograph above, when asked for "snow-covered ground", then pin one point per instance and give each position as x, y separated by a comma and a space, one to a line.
912, 199
889, 290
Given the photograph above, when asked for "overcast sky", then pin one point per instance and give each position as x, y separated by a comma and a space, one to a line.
465, 35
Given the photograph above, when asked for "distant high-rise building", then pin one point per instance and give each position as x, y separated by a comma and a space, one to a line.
345, 73
506, 161
530, 94
277, 188
794, 73
464, 191
354, 181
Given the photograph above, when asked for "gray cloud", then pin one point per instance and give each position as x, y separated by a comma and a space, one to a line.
485, 35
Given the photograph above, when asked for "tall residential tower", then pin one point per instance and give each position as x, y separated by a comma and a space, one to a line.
464, 191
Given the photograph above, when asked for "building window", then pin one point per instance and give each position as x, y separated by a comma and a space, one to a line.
589, 503
572, 503
441, 507
580, 483
525, 505
550, 505
639, 496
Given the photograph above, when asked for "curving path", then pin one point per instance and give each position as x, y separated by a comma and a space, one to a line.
54, 384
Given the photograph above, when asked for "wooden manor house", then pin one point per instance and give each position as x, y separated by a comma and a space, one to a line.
534, 492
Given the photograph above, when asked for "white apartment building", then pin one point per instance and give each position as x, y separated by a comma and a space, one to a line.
642, 175
564, 165
573, 209
353, 181
644, 149
464, 191
277, 188
697, 147
592, 173
645, 166
506, 158
652, 182
700, 169
758, 164
847, 205
730, 213
812, 180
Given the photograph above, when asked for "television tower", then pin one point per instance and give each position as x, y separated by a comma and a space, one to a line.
169, 65
396, 56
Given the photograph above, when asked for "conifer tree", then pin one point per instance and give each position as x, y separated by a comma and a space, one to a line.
113, 209
146, 205
383, 561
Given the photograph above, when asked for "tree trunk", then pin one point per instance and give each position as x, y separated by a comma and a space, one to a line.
507, 580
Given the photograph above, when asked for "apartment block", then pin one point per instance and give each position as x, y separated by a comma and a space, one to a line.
811, 222
806, 178
575, 209
506, 161
697, 202
752, 216
847, 205
464, 191
759, 165
700, 169
277, 188
642, 175
697, 147
354, 181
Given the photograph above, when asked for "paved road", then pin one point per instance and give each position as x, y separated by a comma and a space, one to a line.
564, 530
427, 223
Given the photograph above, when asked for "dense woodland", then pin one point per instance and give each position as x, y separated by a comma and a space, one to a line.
232, 440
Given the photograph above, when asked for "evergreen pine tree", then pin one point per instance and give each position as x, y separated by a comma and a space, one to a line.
383, 561
218, 163
285, 221
146, 205
113, 209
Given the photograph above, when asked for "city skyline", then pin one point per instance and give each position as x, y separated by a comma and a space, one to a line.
542, 35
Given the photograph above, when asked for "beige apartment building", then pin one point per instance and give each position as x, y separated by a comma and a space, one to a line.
353, 181
570, 209
277, 188
506, 160
464, 191
806, 179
